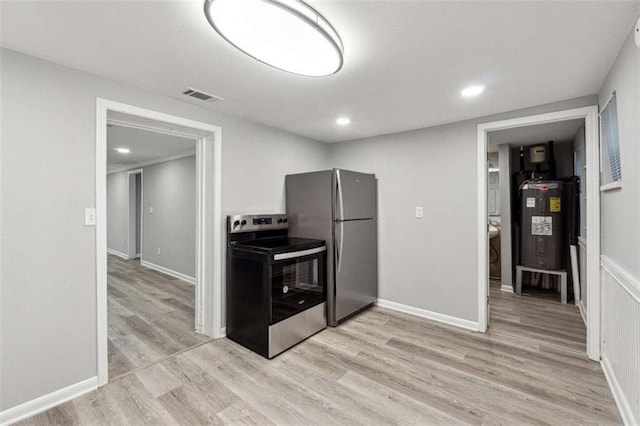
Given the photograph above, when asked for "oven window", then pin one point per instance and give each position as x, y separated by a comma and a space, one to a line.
296, 286
299, 277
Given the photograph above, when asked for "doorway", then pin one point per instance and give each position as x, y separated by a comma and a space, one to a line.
591, 187
150, 291
208, 221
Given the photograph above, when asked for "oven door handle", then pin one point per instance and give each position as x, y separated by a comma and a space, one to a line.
301, 253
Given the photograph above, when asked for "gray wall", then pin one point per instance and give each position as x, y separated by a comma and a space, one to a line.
620, 226
117, 210
48, 307
429, 263
170, 188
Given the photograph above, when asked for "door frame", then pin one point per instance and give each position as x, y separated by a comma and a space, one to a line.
592, 185
131, 173
209, 224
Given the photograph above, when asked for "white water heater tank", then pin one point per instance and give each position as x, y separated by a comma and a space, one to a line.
538, 154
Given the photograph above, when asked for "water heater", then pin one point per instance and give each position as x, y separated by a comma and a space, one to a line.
541, 225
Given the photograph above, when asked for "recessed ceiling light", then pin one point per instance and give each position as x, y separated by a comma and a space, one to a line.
123, 150
343, 121
287, 34
472, 91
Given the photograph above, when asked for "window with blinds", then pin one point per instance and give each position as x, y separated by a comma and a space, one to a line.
611, 174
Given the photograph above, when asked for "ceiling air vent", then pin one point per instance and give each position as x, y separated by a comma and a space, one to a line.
203, 96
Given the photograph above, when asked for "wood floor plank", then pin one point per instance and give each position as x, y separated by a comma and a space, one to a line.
158, 380
119, 363
150, 316
136, 404
242, 414
98, 408
405, 409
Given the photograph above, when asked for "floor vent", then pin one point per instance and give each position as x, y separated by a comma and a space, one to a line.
203, 96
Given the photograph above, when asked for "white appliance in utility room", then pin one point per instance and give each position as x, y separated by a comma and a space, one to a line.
340, 207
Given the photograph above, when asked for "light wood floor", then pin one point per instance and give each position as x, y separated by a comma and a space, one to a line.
382, 367
150, 315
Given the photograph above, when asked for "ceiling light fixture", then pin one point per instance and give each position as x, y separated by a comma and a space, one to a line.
472, 91
343, 121
286, 34
123, 150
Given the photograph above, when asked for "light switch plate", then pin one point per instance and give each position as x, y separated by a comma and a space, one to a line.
89, 216
419, 212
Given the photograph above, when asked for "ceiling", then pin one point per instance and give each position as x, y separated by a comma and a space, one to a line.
559, 132
146, 147
405, 61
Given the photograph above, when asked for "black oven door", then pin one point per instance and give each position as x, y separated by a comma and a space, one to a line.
297, 282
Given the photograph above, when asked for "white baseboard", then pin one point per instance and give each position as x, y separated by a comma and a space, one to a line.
38, 405
623, 405
459, 322
583, 311
223, 332
170, 272
117, 253
506, 288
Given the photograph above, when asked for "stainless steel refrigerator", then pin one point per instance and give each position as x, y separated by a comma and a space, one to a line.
340, 207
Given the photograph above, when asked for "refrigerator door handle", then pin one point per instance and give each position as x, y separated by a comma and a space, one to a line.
340, 200
339, 246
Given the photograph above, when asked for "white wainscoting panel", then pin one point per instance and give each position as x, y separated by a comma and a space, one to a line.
621, 338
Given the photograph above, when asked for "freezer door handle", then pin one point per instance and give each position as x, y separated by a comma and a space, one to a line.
339, 191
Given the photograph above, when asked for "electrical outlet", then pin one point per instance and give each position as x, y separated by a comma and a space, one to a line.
150, 209
158, 250
419, 212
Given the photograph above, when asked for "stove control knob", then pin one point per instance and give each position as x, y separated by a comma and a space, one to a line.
244, 222
285, 220
236, 223
279, 220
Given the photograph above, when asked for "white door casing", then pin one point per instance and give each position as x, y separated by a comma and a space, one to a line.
592, 185
209, 223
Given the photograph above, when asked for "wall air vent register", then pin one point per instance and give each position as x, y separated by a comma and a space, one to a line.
203, 96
